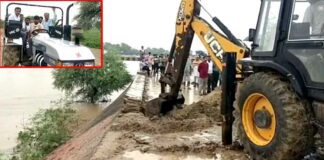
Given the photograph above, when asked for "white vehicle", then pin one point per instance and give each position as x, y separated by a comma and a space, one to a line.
51, 47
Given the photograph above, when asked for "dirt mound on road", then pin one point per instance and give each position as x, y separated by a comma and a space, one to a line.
197, 116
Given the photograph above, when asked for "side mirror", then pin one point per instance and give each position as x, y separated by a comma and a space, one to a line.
295, 17
252, 33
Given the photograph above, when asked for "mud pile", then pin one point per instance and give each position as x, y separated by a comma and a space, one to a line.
194, 117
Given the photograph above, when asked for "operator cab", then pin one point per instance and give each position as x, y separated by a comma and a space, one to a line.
289, 39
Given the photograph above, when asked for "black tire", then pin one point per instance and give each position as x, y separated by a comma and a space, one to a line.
294, 134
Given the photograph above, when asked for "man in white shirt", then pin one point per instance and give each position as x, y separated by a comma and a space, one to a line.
49, 22
210, 75
314, 15
16, 16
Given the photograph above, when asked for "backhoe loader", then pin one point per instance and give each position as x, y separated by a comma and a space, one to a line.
277, 85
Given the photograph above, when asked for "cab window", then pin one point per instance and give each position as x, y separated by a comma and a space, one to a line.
307, 22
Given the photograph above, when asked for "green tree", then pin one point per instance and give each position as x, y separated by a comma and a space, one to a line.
158, 51
89, 15
122, 48
92, 84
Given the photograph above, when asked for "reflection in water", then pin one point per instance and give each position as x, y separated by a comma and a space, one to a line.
25, 91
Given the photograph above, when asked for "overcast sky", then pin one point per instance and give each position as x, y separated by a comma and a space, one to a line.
32, 11
152, 22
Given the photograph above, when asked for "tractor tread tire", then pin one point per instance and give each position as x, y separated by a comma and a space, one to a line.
11, 56
293, 137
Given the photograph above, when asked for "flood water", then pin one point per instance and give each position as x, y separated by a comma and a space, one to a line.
23, 92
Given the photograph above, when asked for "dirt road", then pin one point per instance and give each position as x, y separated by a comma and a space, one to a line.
189, 133
97, 55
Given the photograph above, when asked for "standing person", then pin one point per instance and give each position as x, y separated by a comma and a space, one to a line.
141, 60
150, 61
195, 65
215, 76
210, 75
155, 64
187, 73
146, 67
162, 64
48, 22
203, 77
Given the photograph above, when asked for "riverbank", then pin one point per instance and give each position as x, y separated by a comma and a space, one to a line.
189, 133
25, 91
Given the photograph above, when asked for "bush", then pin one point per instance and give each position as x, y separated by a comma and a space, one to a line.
2, 157
92, 84
91, 38
48, 129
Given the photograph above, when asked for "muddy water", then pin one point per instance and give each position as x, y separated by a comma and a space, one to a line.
24, 91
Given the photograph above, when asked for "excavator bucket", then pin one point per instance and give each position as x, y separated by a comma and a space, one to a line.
162, 105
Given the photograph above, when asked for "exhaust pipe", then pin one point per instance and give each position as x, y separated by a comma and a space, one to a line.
67, 27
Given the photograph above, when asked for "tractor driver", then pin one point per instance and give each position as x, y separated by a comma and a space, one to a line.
314, 15
36, 25
33, 26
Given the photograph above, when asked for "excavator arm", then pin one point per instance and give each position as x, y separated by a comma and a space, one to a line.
218, 45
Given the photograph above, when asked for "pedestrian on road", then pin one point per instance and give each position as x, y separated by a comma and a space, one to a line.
162, 63
210, 75
155, 67
195, 65
187, 73
146, 67
203, 77
215, 77
150, 60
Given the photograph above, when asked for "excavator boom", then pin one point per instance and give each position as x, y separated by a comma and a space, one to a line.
188, 24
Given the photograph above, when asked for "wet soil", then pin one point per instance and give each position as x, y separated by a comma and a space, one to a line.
189, 133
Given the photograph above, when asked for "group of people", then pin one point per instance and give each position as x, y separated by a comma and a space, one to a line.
29, 25
205, 73
37, 22
152, 64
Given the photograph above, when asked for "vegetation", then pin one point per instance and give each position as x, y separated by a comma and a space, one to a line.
92, 84
125, 49
158, 51
91, 38
48, 129
122, 48
2, 156
89, 15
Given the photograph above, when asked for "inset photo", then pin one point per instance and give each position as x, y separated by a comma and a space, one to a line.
51, 34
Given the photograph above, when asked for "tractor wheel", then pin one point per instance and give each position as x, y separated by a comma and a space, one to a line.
11, 55
273, 122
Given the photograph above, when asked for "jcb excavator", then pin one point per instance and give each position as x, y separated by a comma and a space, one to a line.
279, 83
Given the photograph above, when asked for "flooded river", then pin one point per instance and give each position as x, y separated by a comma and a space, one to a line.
24, 91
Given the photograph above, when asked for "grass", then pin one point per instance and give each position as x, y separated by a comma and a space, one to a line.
48, 130
91, 38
